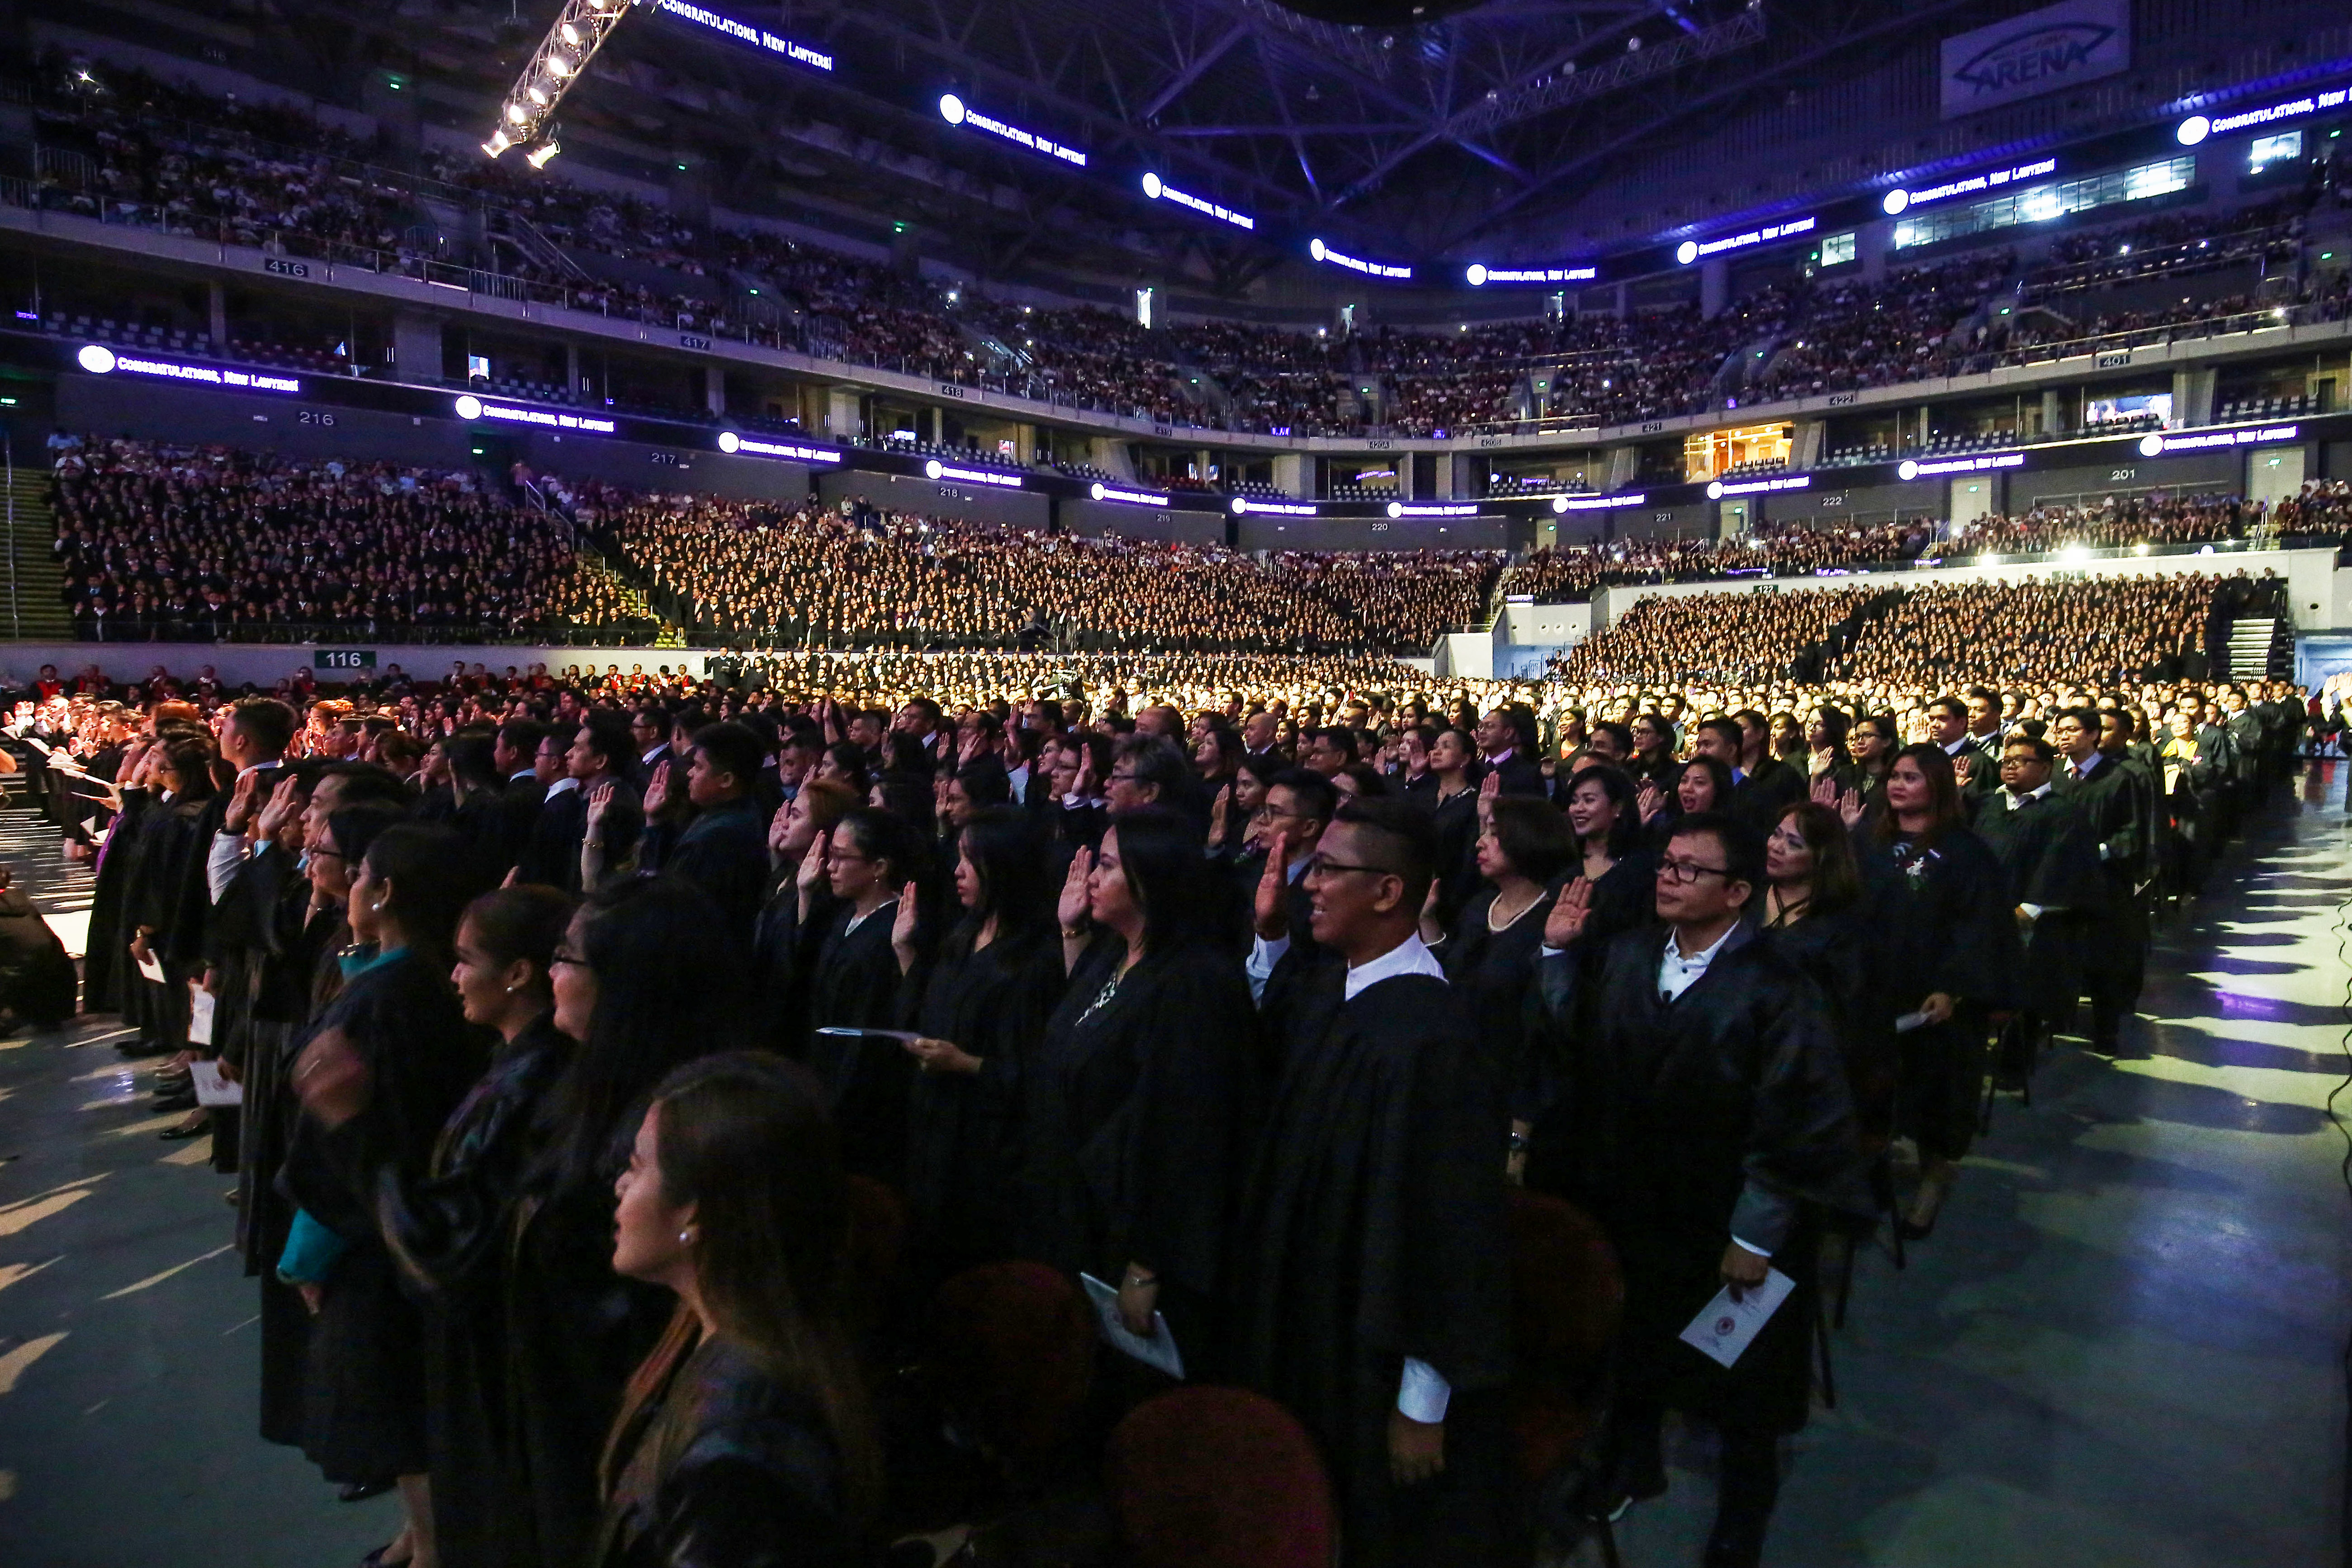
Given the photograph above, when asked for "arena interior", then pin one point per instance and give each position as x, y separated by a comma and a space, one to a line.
1232, 784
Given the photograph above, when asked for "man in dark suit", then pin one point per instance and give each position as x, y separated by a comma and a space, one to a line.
516, 751
724, 850
1507, 745
595, 767
2056, 884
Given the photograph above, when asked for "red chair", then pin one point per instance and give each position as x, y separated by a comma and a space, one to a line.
1011, 1358
1566, 1297
1218, 1478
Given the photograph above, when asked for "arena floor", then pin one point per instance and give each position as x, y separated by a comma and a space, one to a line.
2125, 1343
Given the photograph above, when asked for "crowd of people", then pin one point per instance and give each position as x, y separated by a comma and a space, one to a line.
176, 543
175, 157
848, 576
715, 1119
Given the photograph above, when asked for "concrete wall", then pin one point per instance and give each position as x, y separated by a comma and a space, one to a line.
1546, 625
1252, 532
2204, 472
160, 411
939, 498
638, 465
1094, 519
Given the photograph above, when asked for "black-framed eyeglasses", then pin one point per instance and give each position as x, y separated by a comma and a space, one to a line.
1689, 870
1320, 865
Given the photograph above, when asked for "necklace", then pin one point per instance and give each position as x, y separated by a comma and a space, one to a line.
1516, 915
1782, 910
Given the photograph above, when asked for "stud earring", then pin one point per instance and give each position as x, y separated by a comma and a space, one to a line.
686, 1239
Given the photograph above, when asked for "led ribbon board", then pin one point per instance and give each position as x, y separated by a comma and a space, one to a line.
1897, 202
790, 451
1596, 503
1322, 252
2198, 127
1719, 489
1912, 468
470, 408
1432, 508
1242, 504
955, 111
1478, 274
935, 470
743, 32
99, 360
2156, 445
1100, 491
1692, 250
1159, 190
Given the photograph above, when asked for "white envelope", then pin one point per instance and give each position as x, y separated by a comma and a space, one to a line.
1724, 1327
1159, 1351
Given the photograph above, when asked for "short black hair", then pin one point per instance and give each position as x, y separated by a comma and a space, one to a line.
1405, 837
265, 721
2043, 752
522, 736
985, 782
1728, 728
1317, 796
731, 748
1743, 851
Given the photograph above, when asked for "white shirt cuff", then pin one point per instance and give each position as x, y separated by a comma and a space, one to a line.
1751, 1247
1422, 1394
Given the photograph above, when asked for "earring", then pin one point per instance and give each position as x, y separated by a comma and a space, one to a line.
685, 1237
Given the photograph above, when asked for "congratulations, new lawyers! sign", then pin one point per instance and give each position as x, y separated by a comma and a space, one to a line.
2077, 41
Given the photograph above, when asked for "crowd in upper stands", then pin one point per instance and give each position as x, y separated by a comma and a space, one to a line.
138, 150
161, 542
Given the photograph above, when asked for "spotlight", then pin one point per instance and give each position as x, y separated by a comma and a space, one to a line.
497, 143
568, 33
518, 115
536, 94
558, 67
538, 156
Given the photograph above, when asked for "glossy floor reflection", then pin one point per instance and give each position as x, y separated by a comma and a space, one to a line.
2125, 1343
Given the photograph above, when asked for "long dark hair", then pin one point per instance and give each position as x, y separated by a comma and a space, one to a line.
667, 991
1837, 881
1943, 796
1160, 850
1624, 833
744, 1137
1003, 845
434, 875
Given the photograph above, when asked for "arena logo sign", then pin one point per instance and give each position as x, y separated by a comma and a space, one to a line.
2057, 47
99, 360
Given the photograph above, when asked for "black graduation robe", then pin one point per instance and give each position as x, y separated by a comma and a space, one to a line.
2046, 848
449, 1233
1371, 1230
1682, 1123
1941, 921
854, 983
366, 1374
963, 1130
1135, 1122
1491, 971
724, 851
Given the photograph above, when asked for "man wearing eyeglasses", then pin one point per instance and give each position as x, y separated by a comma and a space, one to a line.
1371, 1266
1284, 833
1703, 1118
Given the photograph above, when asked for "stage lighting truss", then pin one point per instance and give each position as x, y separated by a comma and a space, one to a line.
527, 118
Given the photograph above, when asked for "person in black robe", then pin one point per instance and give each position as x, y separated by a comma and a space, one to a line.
723, 850
979, 1013
1135, 1110
449, 1231
1370, 1271
106, 965
1298, 806
793, 834
2109, 796
855, 978
1490, 955
645, 981
1705, 1122
746, 1439
396, 1053
1944, 958
2044, 845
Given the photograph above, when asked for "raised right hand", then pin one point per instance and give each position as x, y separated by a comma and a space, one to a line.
1072, 907
1568, 913
1271, 905
812, 871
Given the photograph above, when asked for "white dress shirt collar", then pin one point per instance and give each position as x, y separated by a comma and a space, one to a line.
1676, 973
1411, 956
2016, 800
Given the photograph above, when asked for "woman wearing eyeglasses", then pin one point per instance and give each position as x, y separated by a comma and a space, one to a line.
855, 978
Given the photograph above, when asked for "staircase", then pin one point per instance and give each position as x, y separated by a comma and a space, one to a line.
33, 585
2261, 649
